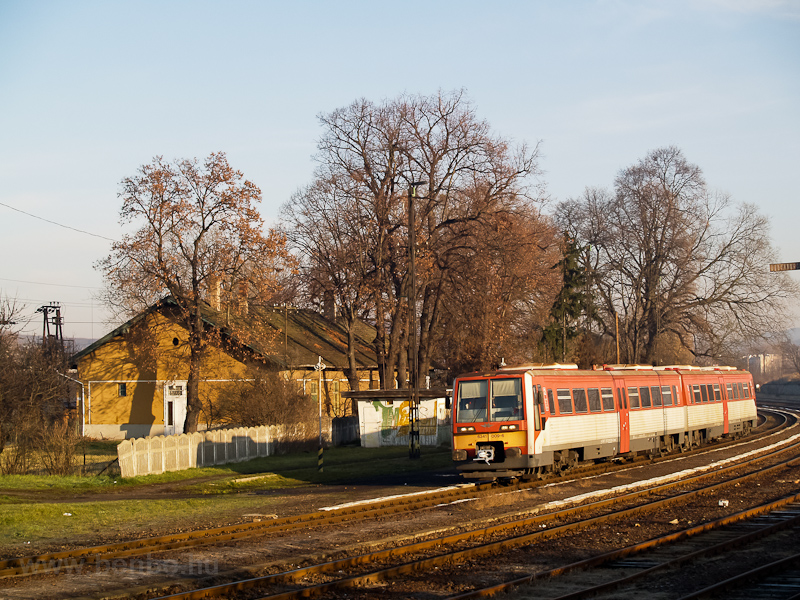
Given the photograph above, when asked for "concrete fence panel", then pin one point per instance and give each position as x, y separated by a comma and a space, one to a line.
125, 456
171, 453
157, 454
141, 456
151, 455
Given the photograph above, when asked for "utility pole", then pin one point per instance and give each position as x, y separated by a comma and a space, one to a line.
413, 404
57, 338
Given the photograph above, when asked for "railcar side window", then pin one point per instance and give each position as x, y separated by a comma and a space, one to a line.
747, 390
633, 396
608, 398
579, 398
736, 391
564, 402
471, 405
594, 399
655, 392
730, 391
698, 398
704, 393
675, 395
551, 400
666, 395
540, 398
741, 391
717, 393
644, 393
506, 399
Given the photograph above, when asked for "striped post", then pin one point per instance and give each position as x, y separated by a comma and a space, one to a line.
319, 460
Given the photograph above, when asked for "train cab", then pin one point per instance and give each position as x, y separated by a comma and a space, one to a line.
493, 415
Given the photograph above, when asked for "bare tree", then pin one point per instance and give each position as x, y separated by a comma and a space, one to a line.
675, 261
498, 290
199, 235
327, 228
368, 158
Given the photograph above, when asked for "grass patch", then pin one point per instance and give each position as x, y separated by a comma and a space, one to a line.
32, 519
24, 525
341, 465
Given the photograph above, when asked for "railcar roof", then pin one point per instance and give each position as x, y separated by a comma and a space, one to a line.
624, 371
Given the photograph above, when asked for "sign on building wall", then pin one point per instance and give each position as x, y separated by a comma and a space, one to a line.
387, 424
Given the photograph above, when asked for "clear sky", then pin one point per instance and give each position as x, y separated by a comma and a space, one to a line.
89, 91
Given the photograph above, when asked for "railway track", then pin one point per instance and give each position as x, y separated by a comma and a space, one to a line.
389, 509
743, 543
56, 562
358, 577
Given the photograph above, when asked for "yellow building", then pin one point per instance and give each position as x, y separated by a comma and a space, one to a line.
134, 378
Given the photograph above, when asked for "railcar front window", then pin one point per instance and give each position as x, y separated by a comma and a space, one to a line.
506, 400
471, 405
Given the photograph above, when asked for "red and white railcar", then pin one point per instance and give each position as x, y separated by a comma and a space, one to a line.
520, 421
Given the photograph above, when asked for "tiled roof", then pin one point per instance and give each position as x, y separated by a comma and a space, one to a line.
299, 336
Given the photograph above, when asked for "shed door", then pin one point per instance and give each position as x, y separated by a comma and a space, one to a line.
174, 407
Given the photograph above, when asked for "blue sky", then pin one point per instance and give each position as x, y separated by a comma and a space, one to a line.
89, 91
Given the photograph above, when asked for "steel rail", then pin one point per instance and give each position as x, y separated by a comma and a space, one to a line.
482, 549
634, 549
758, 572
55, 561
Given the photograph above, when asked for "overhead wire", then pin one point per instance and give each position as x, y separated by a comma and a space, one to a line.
57, 223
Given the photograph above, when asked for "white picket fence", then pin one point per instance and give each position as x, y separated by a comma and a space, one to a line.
158, 454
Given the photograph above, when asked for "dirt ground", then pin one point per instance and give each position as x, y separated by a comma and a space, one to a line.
256, 556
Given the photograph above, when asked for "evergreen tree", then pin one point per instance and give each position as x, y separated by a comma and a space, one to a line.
569, 304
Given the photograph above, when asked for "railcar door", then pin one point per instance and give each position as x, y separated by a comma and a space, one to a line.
622, 411
724, 394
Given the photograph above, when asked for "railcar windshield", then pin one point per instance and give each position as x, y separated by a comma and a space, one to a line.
502, 398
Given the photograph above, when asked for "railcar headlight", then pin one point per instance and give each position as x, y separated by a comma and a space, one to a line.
508, 427
466, 429
513, 452
459, 455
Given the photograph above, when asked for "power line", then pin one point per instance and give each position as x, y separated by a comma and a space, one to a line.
85, 287
55, 223
66, 303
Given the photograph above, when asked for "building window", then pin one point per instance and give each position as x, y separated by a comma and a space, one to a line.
336, 399
313, 388
123, 389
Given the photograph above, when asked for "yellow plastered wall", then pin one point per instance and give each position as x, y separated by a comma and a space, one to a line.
153, 351
333, 384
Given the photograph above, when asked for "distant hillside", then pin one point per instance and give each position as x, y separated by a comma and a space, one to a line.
794, 335
80, 343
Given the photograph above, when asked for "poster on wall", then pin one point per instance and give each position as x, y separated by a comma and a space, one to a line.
387, 423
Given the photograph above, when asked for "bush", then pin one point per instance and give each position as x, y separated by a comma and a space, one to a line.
266, 399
